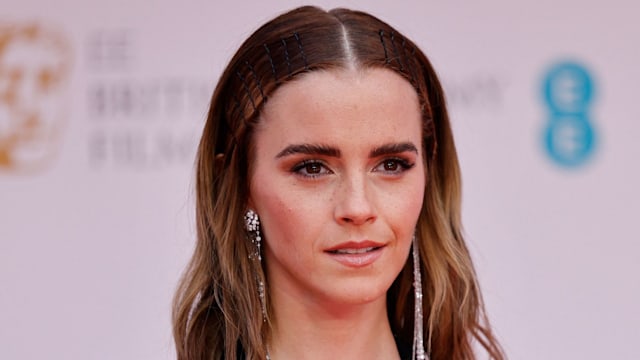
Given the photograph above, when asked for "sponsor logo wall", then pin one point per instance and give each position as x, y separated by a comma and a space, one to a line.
35, 64
101, 106
569, 137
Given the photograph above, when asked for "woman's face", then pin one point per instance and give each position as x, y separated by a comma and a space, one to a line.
338, 180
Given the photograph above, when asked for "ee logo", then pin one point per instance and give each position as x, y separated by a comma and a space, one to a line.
569, 137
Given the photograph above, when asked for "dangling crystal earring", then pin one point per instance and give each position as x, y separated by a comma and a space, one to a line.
252, 224
418, 337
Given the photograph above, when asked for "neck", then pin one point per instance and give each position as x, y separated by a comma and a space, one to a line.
321, 330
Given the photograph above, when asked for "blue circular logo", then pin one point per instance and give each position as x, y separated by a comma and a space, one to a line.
569, 137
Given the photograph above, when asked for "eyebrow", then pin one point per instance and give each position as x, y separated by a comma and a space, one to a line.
325, 150
394, 148
309, 149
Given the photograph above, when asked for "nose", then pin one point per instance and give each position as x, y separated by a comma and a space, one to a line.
354, 203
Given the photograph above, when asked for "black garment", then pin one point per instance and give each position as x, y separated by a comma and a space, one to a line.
405, 350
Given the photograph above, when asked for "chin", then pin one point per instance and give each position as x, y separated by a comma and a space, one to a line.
358, 291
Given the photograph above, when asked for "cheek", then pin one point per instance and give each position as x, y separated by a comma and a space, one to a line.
405, 217
283, 221
287, 210
404, 206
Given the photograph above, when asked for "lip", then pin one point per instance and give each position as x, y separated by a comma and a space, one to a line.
355, 245
356, 253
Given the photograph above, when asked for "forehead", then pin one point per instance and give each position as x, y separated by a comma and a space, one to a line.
347, 102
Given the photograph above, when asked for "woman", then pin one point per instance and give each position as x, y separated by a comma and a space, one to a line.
326, 171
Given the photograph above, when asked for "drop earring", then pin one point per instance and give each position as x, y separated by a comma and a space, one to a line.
252, 222
418, 333
252, 225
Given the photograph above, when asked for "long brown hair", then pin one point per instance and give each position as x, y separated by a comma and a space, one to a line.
217, 310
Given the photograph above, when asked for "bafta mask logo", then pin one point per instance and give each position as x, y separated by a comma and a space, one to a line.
34, 72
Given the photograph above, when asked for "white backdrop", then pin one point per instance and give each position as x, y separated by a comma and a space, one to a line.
96, 218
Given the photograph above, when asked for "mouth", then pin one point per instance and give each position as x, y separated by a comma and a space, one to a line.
354, 251
356, 254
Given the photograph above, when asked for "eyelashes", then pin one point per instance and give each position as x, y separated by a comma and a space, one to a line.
394, 166
312, 169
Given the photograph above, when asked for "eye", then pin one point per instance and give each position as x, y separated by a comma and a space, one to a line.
393, 166
311, 169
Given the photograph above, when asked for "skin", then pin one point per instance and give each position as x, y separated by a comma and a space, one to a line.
338, 158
